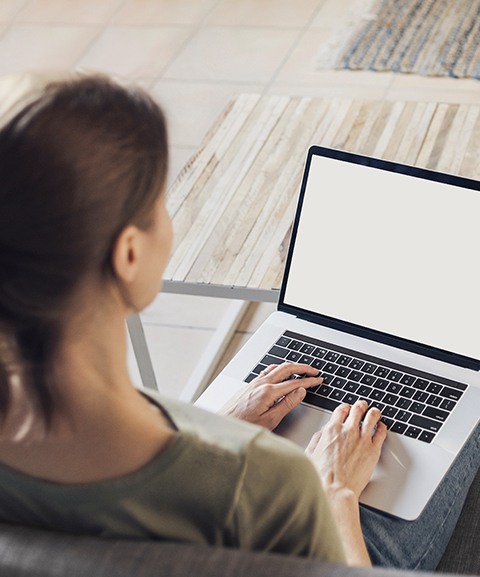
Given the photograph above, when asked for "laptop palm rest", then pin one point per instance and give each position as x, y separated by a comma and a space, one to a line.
392, 485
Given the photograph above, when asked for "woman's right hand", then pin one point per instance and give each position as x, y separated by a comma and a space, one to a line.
347, 449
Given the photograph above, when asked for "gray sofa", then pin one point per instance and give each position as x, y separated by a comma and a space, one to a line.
27, 552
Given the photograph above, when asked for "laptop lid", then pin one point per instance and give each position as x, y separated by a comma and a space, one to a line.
404, 273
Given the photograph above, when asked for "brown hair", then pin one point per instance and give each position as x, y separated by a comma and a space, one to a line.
77, 165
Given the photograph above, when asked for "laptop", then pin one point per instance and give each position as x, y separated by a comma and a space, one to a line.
381, 292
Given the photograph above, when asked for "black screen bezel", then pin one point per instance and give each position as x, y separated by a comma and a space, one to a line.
351, 328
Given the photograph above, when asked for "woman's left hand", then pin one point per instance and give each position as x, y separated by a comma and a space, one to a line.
273, 394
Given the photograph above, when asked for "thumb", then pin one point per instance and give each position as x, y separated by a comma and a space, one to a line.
280, 410
290, 401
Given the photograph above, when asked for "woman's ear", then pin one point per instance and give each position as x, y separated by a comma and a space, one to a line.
126, 254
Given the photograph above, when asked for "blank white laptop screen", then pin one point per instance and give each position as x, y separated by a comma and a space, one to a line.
409, 273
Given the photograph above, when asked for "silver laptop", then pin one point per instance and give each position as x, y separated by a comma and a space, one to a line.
381, 293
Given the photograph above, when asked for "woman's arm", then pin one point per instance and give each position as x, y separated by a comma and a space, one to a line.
345, 453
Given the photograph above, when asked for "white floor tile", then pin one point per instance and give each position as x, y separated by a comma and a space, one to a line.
175, 351
59, 11
32, 47
9, 9
247, 55
185, 311
154, 12
192, 107
281, 13
135, 51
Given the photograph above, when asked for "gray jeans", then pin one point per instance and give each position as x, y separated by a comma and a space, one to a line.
420, 544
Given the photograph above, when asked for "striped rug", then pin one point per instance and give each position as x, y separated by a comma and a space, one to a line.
427, 37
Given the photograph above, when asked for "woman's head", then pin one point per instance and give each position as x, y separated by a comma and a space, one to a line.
78, 164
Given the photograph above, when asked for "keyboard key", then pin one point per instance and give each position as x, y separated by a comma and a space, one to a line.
377, 405
425, 423
250, 378
294, 356
364, 391
283, 342
343, 371
271, 360
296, 345
369, 368
368, 380
350, 399
330, 368
344, 360
319, 353
382, 372
417, 408
377, 395
278, 352
338, 382
390, 399
394, 376
332, 356
390, 411
412, 432
403, 416
318, 364
259, 368
355, 375
426, 436
434, 400
421, 396
381, 384
351, 386
327, 378
394, 388
306, 359
337, 394
387, 421
448, 405
322, 402
403, 403
407, 392
307, 349
450, 393
356, 364
434, 388
324, 390
398, 427
435, 413
421, 384
407, 380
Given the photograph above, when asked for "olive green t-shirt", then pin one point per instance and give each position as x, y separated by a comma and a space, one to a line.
221, 482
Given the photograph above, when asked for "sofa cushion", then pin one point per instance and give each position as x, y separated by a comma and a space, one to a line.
28, 552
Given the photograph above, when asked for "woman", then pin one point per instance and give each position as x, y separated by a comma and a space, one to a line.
84, 240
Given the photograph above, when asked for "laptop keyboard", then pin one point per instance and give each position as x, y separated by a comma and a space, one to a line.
413, 403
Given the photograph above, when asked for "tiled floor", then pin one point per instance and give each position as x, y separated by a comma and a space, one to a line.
194, 55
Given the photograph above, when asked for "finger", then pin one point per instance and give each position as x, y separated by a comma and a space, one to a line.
380, 434
340, 413
287, 404
286, 387
312, 445
370, 422
286, 370
359, 408
268, 370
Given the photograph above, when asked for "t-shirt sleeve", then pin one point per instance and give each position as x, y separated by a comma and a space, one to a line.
279, 505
